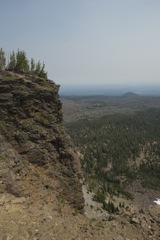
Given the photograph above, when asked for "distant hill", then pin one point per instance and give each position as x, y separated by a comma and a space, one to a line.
130, 94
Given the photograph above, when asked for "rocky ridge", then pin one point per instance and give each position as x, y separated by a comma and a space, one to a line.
40, 191
31, 133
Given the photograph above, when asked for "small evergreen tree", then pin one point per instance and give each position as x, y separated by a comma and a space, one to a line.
42, 73
21, 62
12, 62
33, 65
2, 60
38, 68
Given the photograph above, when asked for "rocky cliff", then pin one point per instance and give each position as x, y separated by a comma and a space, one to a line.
40, 190
32, 140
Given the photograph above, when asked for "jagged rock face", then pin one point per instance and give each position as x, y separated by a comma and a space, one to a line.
31, 132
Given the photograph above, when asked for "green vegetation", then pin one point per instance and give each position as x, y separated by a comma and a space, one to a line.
3, 159
2, 60
40, 117
100, 225
100, 197
118, 148
19, 63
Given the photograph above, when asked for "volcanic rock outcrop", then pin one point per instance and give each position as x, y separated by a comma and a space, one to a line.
32, 135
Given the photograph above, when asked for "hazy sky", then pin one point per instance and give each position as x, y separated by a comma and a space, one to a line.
86, 41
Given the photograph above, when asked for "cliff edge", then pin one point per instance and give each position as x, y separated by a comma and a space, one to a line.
32, 139
40, 191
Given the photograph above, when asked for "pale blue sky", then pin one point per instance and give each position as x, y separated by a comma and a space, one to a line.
86, 41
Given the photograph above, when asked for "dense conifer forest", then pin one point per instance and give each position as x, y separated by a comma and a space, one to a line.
117, 149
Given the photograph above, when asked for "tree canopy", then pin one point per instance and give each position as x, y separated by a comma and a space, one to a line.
18, 62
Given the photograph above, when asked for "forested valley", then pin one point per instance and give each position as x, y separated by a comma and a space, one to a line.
116, 150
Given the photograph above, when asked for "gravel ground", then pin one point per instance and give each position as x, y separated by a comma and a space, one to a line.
143, 197
93, 209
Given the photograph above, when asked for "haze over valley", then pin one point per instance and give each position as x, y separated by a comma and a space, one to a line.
109, 90
80, 120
